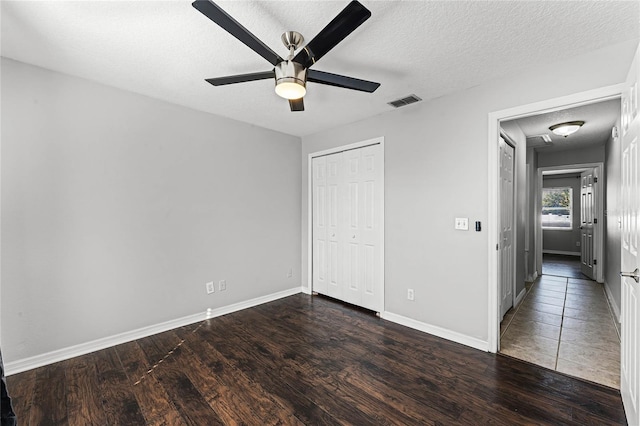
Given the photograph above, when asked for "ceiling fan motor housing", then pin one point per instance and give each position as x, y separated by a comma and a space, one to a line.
291, 72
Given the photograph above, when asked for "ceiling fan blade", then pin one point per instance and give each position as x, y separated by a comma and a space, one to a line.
220, 17
296, 104
342, 25
341, 81
241, 78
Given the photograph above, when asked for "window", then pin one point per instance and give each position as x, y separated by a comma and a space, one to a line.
557, 208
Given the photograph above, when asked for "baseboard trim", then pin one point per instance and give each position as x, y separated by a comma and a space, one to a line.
614, 307
566, 253
58, 355
436, 331
520, 296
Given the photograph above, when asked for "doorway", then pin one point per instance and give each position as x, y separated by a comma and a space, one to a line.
557, 305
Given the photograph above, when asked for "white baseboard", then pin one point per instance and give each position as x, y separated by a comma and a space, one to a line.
520, 296
614, 307
566, 253
36, 361
437, 331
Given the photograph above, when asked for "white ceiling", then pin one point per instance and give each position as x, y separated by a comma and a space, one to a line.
165, 50
599, 118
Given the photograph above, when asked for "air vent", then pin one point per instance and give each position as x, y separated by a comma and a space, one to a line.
411, 99
538, 141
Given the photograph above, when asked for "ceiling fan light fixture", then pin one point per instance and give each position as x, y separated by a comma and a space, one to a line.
566, 129
291, 80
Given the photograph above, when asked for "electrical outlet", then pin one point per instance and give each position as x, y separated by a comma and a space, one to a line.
222, 285
210, 287
577, 243
290, 273
410, 294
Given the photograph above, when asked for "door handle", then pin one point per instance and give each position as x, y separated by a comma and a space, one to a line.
635, 275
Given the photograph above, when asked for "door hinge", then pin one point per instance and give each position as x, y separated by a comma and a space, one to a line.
595, 220
595, 180
595, 261
497, 247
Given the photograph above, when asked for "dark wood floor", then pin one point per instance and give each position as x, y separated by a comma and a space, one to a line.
562, 266
304, 360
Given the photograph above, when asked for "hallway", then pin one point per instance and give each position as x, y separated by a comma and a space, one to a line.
565, 324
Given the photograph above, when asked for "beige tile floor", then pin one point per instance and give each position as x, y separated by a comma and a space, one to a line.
565, 324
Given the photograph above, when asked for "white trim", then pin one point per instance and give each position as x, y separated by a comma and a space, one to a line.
375, 141
25, 364
519, 297
615, 308
566, 253
436, 331
556, 104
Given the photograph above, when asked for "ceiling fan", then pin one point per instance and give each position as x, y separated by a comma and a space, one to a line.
292, 74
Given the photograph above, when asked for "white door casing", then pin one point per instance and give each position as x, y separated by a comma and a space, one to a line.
506, 238
630, 247
588, 183
348, 252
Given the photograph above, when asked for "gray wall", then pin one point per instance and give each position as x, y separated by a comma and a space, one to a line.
612, 254
514, 131
564, 241
436, 170
117, 208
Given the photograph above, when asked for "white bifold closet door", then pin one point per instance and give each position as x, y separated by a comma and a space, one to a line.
347, 230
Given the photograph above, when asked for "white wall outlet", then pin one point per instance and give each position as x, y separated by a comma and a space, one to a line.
410, 294
462, 223
290, 273
222, 285
210, 287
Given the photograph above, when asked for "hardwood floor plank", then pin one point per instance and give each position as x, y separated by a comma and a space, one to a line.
154, 403
21, 389
118, 400
84, 403
171, 373
49, 399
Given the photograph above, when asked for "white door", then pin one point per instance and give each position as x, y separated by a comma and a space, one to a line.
630, 215
587, 222
348, 264
319, 229
506, 246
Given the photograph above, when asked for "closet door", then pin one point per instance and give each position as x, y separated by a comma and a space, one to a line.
347, 226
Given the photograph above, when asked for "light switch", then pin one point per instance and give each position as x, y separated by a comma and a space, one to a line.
462, 223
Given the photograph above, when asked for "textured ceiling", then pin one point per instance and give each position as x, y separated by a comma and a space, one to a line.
166, 49
598, 119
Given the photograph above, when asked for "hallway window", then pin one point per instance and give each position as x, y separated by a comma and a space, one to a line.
557, 208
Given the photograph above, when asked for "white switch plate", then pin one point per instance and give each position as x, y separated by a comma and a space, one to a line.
210, 288
222, 285
462, 223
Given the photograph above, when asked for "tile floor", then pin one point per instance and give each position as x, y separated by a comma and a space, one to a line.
565, 324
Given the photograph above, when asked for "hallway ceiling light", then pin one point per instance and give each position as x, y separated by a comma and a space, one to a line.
566, 129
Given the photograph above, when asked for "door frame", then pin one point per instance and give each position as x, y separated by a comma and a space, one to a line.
599, 234
494, 118
335, 150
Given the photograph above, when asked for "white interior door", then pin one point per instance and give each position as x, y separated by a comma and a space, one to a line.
347, 209
587, 222
319, 229
506, 245
630, 203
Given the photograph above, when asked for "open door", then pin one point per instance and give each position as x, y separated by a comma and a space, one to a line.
630, 215
506, 246
588, 222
